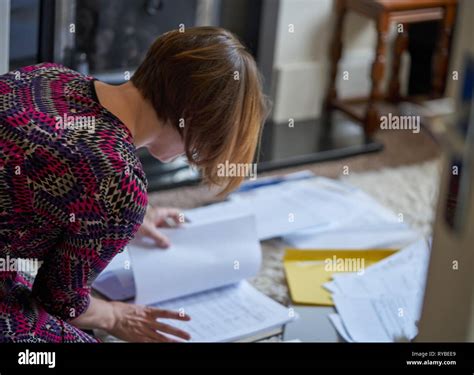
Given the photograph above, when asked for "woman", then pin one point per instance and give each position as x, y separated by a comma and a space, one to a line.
72, 196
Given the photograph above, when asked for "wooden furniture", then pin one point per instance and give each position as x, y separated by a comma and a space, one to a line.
366, 111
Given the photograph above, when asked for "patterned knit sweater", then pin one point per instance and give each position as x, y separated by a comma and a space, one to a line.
72, 195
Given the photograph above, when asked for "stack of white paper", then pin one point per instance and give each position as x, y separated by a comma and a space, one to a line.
366, 225
314, 213
320, 204
384, 303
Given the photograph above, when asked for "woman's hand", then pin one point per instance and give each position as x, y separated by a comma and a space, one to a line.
156, 217
136, 323
130, 322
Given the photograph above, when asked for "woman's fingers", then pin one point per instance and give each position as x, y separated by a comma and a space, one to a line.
167, 214
156, 218
166, 328
154, 313
137, 323
160, 239
168, 314
152, 327
175, 215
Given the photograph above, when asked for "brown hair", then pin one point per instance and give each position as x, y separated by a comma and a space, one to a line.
207, 78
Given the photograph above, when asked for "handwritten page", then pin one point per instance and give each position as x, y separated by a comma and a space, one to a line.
228, 313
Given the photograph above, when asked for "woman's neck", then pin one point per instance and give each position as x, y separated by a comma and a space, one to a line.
126, 103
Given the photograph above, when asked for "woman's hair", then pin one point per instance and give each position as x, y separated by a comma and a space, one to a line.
205, 83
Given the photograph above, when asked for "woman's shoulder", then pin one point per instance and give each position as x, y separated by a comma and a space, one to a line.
44, 68
35, 77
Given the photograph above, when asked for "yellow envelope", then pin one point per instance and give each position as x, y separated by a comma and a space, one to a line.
307, 270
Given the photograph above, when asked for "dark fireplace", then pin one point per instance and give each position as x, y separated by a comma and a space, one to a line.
114, 35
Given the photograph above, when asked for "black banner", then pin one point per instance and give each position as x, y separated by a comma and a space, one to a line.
446, 358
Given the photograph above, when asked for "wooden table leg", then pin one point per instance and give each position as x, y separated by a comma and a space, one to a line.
441, 55
335, 56
401, 44
372, 117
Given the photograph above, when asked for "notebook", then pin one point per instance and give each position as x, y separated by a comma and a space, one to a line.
202, 273
233, 313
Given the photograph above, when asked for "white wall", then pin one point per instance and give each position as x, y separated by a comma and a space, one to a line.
4, 35
301, 64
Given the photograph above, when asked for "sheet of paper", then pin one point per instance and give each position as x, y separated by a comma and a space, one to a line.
332, 287
339, 325
360, 319
273, 180
370, 225
405, 270
286, 208
218, 212
379, 319
201, 257
385, 302
355, 236
116, 280
228, 313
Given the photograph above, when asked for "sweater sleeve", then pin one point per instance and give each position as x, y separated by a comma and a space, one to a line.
63, 283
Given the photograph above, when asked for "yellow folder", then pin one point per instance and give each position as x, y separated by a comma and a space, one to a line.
307, 270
